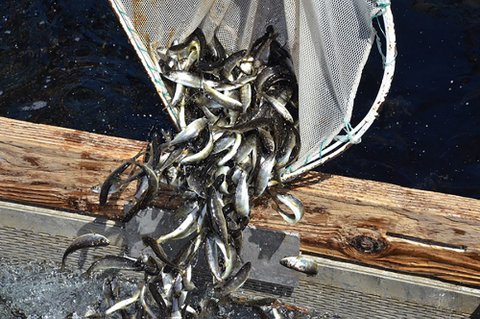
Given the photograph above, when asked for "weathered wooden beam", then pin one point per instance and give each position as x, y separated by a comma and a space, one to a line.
372, 223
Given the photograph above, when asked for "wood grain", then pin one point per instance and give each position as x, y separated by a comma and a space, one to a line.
372, 223
56, 167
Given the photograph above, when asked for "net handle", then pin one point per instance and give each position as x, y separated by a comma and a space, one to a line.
337, 147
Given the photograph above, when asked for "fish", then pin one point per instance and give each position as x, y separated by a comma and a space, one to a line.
112, 181
191, 131
188, 251
234, 282
212, 258
286, 148
123, 303
229, 257
189, 79
175, 311
114, 262
248, 145
182, 50
231, 62
246, 95
201, 155
223, 170
294, 204
215, 210
264, 173
272, 75
187, 283
158, 299
212, 118
223, 143
146, 192
153, 152
84, 241
233, 150
267, 140
149, 265
237, 84
158, 250
242, 201
244, 127
220, 57
223, 99
144, 303
185, 229
236, 116
280, 107
301, 264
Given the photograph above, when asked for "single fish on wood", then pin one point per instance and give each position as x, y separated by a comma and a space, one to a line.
301, 264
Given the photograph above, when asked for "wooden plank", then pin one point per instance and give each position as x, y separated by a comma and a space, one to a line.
386, 226
377, 224
57, 167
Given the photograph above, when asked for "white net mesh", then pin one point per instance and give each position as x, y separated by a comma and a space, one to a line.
329, 42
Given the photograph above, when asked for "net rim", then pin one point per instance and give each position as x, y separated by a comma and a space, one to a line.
338, 146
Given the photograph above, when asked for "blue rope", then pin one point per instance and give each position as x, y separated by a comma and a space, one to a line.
382, 5
348, 137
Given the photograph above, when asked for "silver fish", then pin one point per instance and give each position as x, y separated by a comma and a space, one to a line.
231, 62
114, 262
294, 204
267, 140
85, 241
182, 123
158, 299
242, 205
188, 79
145, 304
236, 84
223, 143
191, 131
222, 170
215, 208
286, 149
246, 96
223, 99
249, 143
201, 155
233, 150
212, 118
230, 256
123, 303
176, 311
112, 182
280, 107
235, 281
264, 174
300, 263
158, 250
185, 229
212, 258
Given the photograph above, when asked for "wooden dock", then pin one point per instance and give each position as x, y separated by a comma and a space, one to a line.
377, 224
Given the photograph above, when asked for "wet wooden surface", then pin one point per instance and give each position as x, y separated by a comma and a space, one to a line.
372, 223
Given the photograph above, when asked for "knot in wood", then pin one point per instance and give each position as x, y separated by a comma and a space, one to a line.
368, 245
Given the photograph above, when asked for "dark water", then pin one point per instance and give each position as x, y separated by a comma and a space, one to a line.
68, 63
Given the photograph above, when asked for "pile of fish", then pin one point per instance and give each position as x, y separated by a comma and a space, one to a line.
237, 134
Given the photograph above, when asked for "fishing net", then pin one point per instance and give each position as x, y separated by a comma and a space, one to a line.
329, 41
